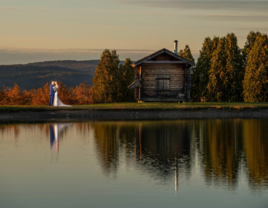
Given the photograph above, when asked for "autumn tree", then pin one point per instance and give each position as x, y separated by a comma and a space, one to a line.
200, 75
3, 96
225, 73
249, 45
234, 69
41, 96
126, 77
83, 94
66, 95
105, 87
216, 73
15, 96
186, 53
255, 82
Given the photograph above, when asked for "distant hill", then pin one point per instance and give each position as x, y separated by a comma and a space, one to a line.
35, 75
88, 66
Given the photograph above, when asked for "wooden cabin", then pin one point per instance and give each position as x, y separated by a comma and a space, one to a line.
162, 76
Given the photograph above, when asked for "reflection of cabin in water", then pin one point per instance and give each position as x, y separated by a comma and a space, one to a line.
162, 76
164, 148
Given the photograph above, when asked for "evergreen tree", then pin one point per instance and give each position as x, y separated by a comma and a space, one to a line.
246, 50
105, 81
200, 75
195, 84
217, 72
126, 77
255, 82
225, 75
249, 45
234, 70
186, 53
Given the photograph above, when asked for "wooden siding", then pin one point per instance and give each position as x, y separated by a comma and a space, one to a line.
163, 76
162, 81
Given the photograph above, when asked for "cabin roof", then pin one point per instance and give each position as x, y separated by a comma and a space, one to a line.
164, 50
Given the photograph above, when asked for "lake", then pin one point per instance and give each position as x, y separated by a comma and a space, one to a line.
182, 163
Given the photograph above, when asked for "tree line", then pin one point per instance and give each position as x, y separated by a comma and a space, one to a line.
111, 79
80, 95
110, 85
226, 73
223, 72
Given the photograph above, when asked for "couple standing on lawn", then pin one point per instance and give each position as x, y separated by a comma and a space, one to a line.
54, 99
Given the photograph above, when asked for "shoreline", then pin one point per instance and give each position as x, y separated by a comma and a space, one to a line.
74, 115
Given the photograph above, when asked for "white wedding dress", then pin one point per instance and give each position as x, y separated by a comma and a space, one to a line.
58, 128
57, 102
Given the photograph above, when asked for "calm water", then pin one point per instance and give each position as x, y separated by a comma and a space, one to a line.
190, 163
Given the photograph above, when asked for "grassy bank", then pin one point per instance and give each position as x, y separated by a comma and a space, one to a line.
142, 106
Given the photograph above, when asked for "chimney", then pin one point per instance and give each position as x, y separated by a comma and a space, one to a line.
176, 47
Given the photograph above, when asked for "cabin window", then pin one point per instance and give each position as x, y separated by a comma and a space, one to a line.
162, 83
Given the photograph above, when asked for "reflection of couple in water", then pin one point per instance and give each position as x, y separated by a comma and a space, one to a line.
55, 131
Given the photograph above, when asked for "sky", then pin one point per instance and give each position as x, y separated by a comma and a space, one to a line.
43, 30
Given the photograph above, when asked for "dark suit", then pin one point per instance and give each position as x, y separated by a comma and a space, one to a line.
51, 93
52, 135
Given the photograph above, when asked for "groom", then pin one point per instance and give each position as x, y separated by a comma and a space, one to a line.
51, 93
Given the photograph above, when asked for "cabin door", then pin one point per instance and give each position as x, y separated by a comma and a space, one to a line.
162, 83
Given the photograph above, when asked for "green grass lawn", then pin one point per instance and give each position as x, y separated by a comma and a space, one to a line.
145, 106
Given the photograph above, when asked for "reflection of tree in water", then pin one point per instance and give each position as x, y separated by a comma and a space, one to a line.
224, 148
256, 151
164, 147
220, 147
10, 129
105, 138
110, 138
83, 129
159, 147
16, 129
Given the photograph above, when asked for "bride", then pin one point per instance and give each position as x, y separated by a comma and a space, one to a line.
57, 102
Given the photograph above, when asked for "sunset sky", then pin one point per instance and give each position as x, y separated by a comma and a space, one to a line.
39, 30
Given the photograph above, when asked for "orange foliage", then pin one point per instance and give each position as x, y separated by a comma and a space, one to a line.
83, 94
15, 96
80, 95
40, 96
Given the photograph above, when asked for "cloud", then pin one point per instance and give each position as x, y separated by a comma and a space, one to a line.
255, 28
248, 18
24, 56
71, 50
7, 8
25, 9
209, 10
237, 5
